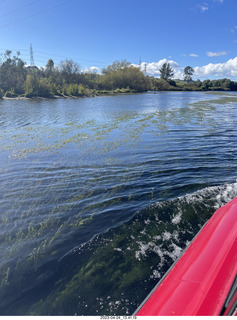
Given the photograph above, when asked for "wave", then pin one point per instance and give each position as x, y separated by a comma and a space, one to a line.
122, 265
113, 272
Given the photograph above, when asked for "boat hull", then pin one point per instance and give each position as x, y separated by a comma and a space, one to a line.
200, 282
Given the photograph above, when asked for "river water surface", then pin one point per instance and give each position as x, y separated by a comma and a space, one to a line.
99, 196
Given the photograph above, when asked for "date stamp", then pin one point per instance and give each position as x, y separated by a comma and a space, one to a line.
118, 317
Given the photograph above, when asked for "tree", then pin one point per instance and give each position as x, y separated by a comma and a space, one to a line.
206, 84
198, 83
121, 75
8, 54
31, 86
12, 73
188, 72
166, 71
49, 68
116, 66
69, 71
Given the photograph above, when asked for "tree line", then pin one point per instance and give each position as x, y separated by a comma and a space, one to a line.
17, 79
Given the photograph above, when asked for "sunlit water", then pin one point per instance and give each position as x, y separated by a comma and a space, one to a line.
99, 196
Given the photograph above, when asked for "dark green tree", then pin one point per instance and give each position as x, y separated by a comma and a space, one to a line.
206, 84
49, 69
188, 72
198, 83
166, 71
12, 73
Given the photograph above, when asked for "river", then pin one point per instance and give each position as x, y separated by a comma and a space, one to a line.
99, 196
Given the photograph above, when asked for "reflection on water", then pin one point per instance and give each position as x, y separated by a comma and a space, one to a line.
33, 127
90, 195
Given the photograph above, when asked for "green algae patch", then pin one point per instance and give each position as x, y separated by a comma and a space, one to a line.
223, 98
221, 93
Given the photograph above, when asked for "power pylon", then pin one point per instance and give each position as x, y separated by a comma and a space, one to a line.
32, 63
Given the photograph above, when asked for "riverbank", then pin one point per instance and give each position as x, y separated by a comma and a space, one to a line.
92, 93
118, 78
111, 93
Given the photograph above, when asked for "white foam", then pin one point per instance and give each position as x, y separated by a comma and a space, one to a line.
176, 219
166, 235
147, 221
226, 194
155, 274
220, 194
174, 250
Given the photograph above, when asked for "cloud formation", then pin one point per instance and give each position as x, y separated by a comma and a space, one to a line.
227, 69
91, 70
153, 68
216, 54
209, 4
233, 30
204, 7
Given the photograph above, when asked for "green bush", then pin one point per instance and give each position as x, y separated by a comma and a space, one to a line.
10, 94
72, 89
44, 88
81, 90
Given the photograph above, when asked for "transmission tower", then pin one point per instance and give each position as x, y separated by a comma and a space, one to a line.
145, 68
32, 63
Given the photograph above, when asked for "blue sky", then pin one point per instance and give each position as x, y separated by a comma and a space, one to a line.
94, 33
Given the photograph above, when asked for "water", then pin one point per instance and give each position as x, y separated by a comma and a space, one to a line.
99, 196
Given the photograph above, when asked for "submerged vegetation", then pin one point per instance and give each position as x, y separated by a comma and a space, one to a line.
19, 80
96, 206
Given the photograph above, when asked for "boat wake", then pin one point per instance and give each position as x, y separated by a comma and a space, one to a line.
113, 272
133, 257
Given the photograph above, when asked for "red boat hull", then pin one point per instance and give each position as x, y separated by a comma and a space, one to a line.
200, 281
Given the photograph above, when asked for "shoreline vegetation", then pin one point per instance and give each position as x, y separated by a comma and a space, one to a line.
18, 81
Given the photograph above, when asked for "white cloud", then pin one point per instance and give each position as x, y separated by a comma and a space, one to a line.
227, 69
216, 54
91, 70
193, 55
204, 7
209, 4
152, 68
233, 29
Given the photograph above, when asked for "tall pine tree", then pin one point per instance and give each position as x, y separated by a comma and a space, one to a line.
166, 71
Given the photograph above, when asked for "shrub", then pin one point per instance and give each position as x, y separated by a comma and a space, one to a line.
10, 94
72, 89
81, 90
44, 88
